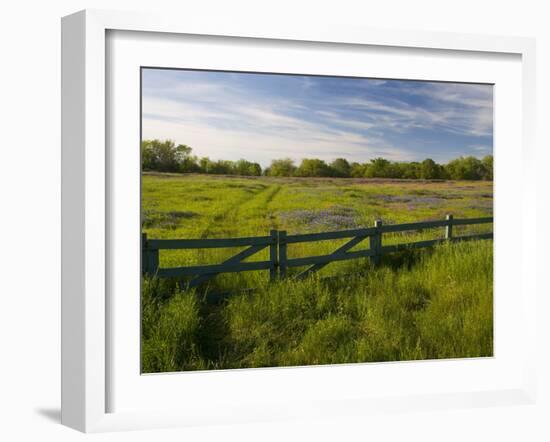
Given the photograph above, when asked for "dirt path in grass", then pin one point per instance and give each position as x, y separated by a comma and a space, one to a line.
229, 214
248, 211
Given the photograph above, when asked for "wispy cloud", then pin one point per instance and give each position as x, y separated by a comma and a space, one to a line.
261, 117
483, 149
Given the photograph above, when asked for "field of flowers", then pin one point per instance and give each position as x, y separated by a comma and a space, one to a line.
416, 305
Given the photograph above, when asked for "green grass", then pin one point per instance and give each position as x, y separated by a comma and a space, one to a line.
425, 304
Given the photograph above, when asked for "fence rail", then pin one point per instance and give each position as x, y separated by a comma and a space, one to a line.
278, 241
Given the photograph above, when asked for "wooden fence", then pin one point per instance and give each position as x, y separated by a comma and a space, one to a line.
278, 241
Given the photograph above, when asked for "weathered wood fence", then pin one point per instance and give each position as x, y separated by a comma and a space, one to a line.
278, 241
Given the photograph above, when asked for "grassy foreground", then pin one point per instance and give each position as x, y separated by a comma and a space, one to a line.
426, 304
417, 305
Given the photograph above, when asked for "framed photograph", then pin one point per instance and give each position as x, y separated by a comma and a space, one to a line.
263, 224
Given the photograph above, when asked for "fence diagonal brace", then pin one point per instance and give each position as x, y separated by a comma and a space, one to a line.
233, 260
338, 252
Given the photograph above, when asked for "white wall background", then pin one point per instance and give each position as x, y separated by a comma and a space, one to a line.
30, 214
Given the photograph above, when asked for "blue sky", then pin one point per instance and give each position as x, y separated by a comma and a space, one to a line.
260, 117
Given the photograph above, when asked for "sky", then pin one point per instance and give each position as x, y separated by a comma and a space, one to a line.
260, 117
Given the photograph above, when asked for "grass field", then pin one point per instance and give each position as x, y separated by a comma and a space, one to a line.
416, 305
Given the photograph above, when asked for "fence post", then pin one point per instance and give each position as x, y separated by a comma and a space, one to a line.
153, 261
144, 255
282, 253
449, 227
149, 257
273, 255
376, 243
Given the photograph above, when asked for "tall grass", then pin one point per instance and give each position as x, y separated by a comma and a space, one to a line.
426, 304
169, 329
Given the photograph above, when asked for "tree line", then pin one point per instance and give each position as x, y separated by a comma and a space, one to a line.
166, 156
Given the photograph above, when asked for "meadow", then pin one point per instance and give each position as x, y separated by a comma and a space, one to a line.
425, 304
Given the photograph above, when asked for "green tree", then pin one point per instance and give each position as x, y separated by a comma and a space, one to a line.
164, 156
282, 167
247, 168
241, 167
223, 167
205, 165
465, 168
410, 171
341, 168
255, 169
429, 170
190, 164
378, 168
313, 167
357, 170
487, 162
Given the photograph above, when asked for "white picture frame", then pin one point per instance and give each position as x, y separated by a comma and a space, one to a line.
86, 205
